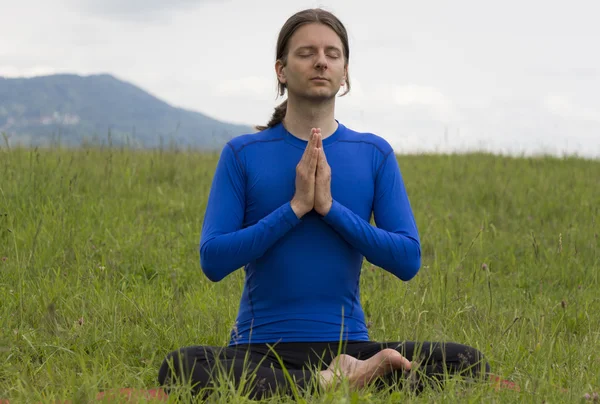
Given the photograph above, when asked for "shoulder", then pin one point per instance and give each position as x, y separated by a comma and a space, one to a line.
239, 143
377, 142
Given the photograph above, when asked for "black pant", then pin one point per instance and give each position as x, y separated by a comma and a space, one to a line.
262, 364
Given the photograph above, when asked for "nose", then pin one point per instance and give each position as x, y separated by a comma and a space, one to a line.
321, 62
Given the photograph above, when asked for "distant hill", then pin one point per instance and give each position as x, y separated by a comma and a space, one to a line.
71, 108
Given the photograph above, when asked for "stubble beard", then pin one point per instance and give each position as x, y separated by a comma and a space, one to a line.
322, 96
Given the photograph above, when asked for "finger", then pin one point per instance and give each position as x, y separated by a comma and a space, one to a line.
319, 137
323, 158
309, 146
320, 162
313, 160
314, 138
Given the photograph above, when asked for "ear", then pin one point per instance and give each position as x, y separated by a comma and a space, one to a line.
343, 83
279, 71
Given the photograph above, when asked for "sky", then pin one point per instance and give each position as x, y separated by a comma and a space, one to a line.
511, 77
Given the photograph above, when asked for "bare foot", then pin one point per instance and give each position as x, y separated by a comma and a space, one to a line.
361, 372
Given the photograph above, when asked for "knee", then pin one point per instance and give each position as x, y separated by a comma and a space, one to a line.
172, 363
474, 360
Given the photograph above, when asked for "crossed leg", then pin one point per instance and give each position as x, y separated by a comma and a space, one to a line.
201, 368
361, 364
431, 362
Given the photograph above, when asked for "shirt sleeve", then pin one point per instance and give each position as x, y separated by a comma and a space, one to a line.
394, 244
224, 245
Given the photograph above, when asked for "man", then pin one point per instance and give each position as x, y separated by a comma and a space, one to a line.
292, 205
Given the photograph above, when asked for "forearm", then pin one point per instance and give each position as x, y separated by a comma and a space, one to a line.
221, 254
397, 252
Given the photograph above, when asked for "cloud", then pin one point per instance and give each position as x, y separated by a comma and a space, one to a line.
211, 56
566, 109
255, 87
137, 9
426, 101
426, 97
580, 73
32, 71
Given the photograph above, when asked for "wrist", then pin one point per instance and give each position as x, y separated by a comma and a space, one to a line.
298, 210
324, 210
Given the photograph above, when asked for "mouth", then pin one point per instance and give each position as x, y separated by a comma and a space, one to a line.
319, 79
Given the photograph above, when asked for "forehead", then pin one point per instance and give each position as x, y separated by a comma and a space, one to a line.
315, 34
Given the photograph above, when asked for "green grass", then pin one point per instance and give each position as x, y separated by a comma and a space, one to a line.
101, 275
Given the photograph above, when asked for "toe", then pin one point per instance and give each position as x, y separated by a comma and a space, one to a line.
397, 361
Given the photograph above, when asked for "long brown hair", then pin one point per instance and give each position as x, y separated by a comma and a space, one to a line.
312, 15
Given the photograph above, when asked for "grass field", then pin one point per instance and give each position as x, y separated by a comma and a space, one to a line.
100, 275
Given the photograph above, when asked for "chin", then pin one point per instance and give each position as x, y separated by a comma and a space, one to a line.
314, 94
320, 95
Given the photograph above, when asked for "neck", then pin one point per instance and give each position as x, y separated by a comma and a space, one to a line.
302, 115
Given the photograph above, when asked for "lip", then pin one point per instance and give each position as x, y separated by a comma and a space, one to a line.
319, 79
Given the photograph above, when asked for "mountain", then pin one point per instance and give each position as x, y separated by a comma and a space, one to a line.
73, 109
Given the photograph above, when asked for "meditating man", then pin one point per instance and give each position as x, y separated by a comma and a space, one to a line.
292, 205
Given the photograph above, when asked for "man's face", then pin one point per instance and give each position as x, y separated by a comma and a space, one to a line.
315, 67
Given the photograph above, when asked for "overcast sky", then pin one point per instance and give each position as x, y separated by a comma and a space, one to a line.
507, 76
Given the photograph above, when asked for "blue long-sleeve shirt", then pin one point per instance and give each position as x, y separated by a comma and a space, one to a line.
302, 275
